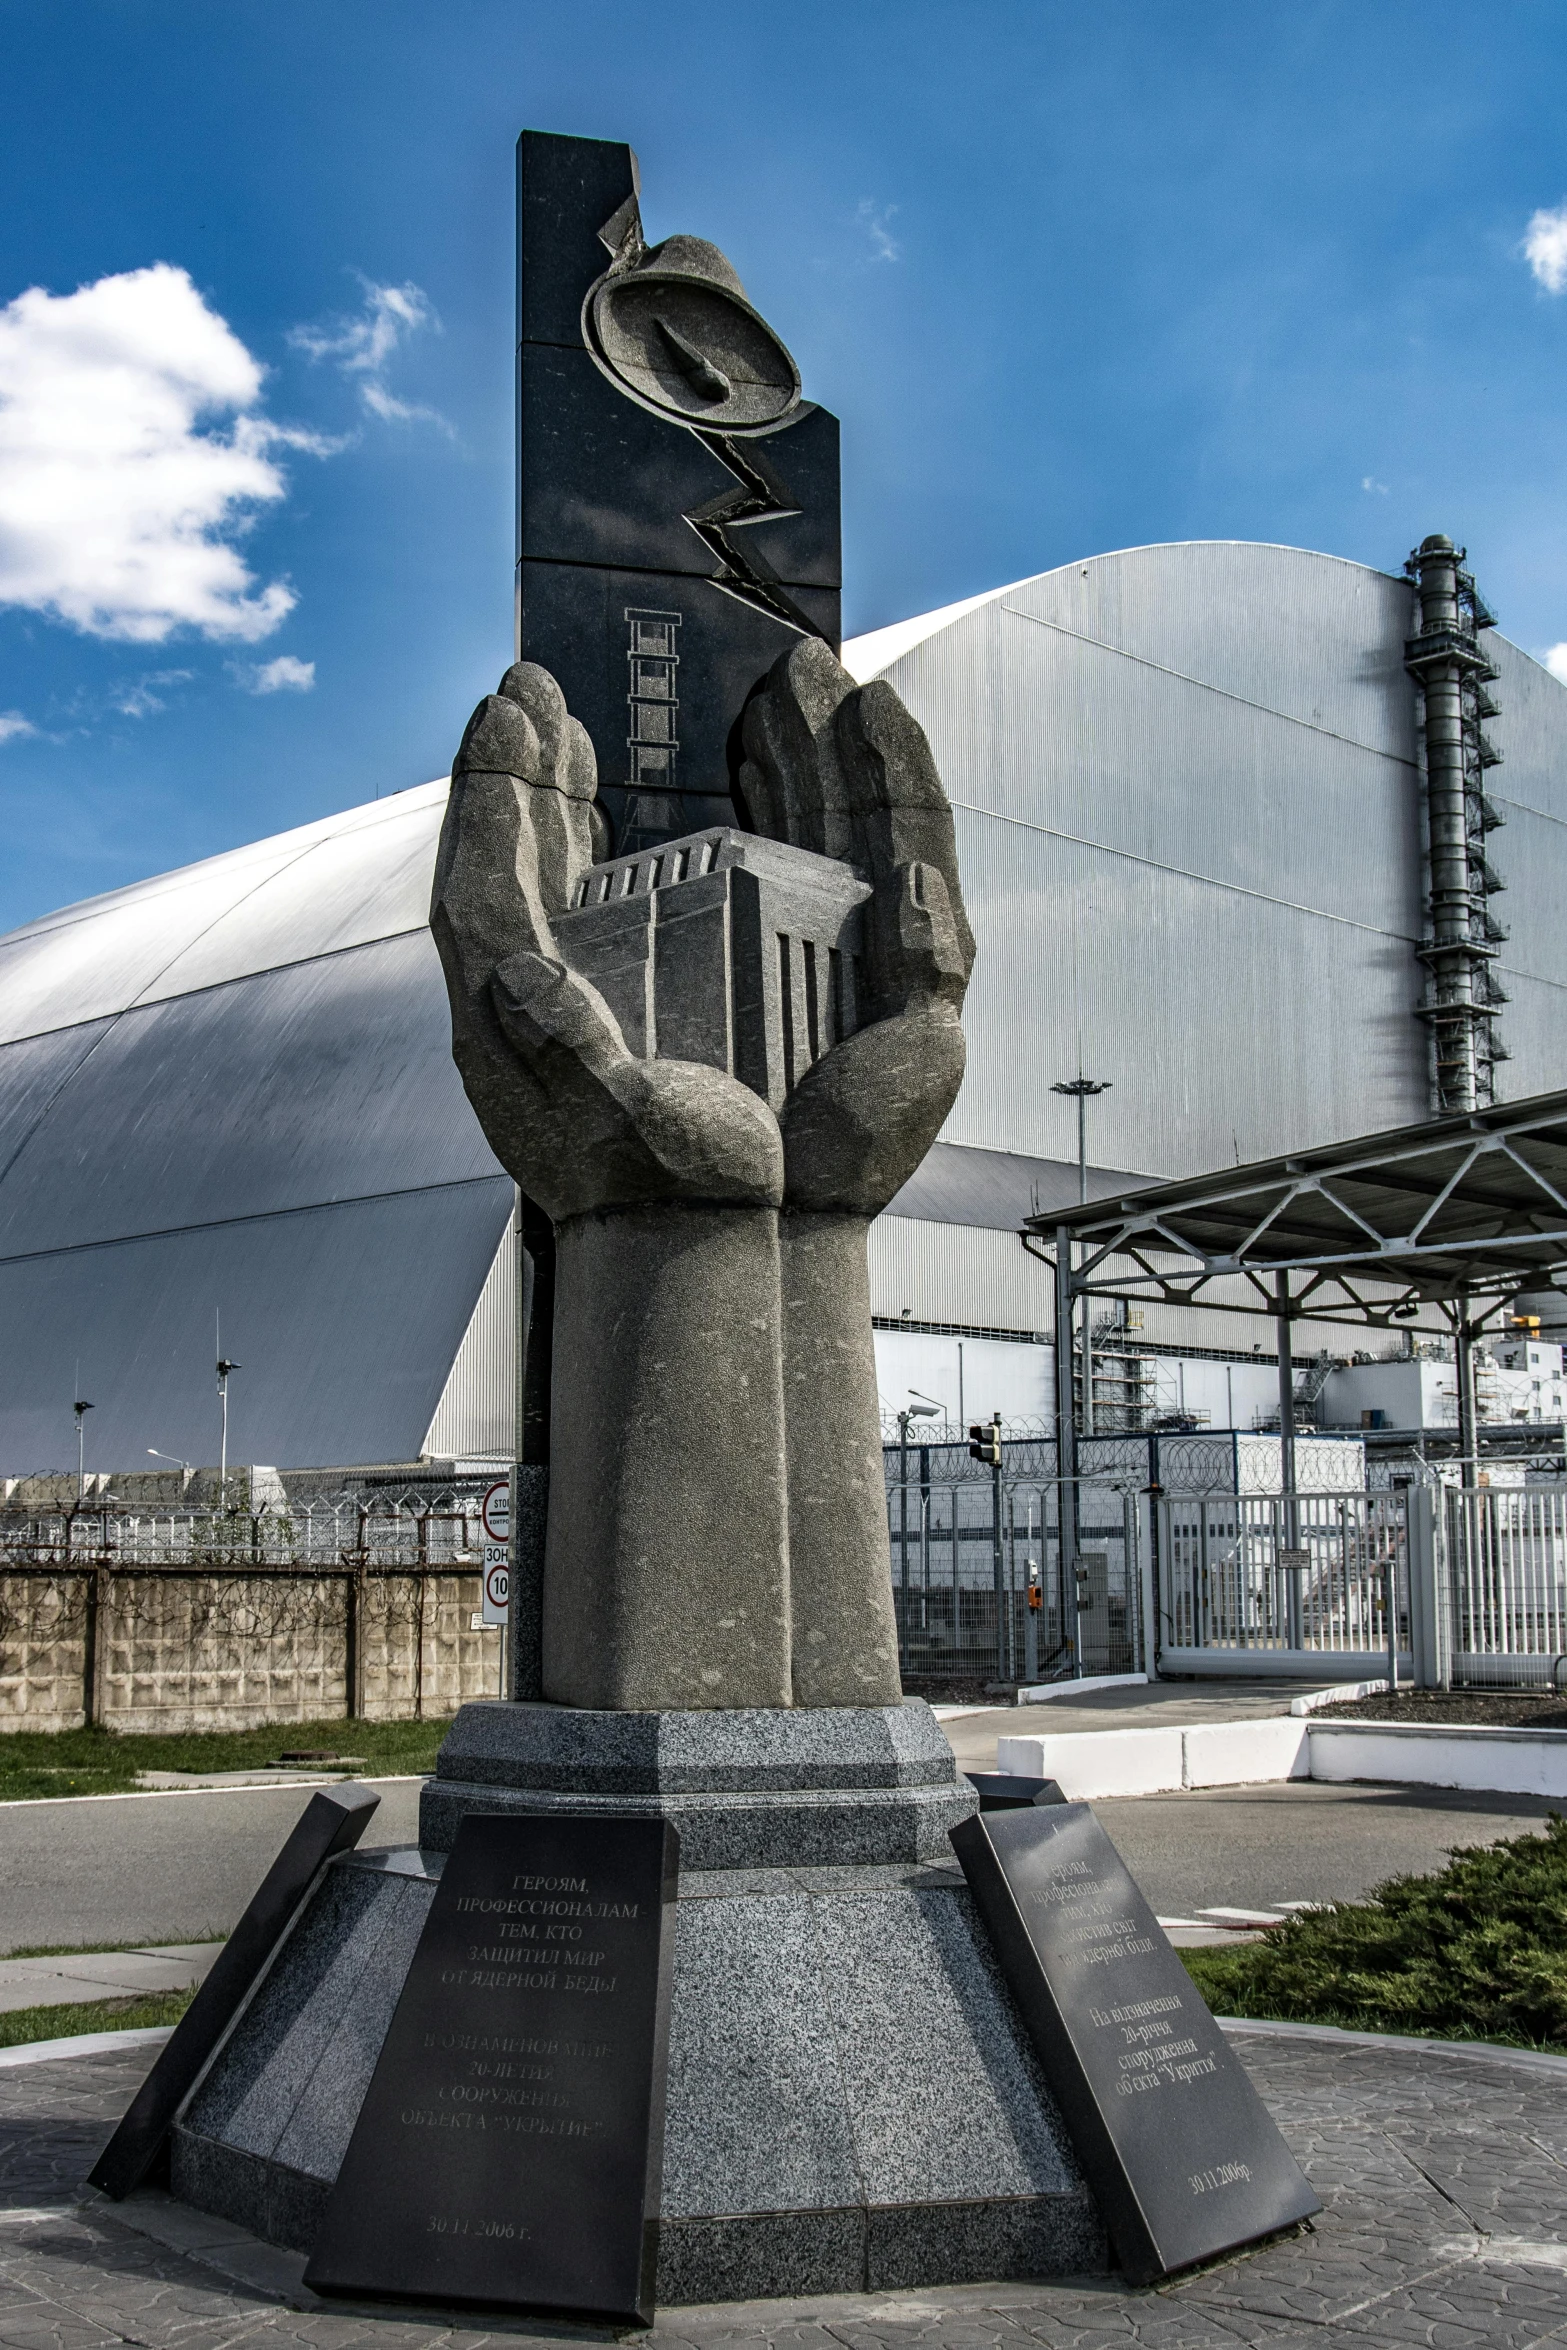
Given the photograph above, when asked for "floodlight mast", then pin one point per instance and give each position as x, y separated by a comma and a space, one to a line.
1081, 1089
81, 1408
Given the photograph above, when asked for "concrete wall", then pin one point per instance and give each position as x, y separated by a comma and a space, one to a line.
229, 1653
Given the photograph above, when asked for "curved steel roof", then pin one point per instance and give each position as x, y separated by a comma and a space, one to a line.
230, 1089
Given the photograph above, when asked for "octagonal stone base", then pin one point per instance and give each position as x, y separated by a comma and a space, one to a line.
853, 2102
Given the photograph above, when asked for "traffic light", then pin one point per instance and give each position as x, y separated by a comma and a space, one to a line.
984, 1441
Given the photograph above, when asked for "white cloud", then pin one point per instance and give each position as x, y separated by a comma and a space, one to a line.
142, 698
1377, 488
1545, 248
1555, 660
873, 218
116, 513
13, 726
285, 675
362, 346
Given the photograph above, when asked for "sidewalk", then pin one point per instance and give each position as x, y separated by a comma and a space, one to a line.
1443, 2174
1153, 1705
102, 1974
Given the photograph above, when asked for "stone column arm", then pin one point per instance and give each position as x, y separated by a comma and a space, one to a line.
717, 1521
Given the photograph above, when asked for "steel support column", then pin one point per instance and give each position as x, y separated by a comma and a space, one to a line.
1066, 1447
1290, 1518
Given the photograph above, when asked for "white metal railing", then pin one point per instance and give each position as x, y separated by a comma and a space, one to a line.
1506, 1581
1275, 1572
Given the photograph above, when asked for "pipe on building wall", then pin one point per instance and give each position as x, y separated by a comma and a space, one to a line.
1449, 669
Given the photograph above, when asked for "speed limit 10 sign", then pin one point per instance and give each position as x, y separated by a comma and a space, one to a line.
497, 1582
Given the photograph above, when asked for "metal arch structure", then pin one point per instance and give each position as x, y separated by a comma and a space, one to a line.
231, 1087
1191, 773
1453, 1218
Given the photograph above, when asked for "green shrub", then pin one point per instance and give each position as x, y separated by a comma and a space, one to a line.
1477, 1951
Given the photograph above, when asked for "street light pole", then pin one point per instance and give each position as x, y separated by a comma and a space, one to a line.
915, 1411
224, 1368
1081, 1089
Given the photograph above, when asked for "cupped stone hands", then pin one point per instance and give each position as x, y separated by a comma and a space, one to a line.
574, 1115
717, 1529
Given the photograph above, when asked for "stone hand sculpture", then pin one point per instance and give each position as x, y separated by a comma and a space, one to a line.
710, 1066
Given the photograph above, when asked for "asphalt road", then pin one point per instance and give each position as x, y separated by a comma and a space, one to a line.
140, 1869
132, 1869
1258, 1847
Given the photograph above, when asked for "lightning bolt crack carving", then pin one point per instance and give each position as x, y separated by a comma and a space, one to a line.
762, 496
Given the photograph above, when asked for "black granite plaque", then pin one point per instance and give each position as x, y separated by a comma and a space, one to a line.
1176, 2143
508, 2152
333, 1821
1009, 1791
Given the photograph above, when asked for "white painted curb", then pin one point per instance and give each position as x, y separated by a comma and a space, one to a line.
1089, 1763
1246, 1754
1502, 1762
83, 2044
1342, 1693
1086, 1764
1042, 1692
158, 1794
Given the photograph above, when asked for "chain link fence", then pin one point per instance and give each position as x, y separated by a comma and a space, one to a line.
983, 1588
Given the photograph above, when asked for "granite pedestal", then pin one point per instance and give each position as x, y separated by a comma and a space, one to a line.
853, 2102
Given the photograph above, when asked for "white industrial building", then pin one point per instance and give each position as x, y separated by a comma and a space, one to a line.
1188, 791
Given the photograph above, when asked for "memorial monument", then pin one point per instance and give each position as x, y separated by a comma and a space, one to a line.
706, 953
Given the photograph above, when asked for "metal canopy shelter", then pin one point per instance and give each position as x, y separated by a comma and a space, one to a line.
1452, 1218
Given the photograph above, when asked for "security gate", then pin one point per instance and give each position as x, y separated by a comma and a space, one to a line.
1505, 1586
1283, 1577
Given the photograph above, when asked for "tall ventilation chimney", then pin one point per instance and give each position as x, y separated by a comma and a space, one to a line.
1451, 671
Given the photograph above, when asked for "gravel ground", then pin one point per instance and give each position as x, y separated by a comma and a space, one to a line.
1477, 1708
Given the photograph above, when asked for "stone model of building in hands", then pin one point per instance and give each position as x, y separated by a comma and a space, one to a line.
717, 1528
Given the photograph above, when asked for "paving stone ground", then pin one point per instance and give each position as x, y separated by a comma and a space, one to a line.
1443, 2176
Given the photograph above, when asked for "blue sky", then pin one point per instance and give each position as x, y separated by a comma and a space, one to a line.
1074, 278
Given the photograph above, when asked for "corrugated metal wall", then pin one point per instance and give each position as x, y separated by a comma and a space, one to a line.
1530, 853
1189, 827
474, 1418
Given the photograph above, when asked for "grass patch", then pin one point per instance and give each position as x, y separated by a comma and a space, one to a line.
140, 2014
1476, 1951
36, 1763
92, 1949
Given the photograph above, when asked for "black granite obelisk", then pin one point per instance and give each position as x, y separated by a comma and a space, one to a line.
678, 523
